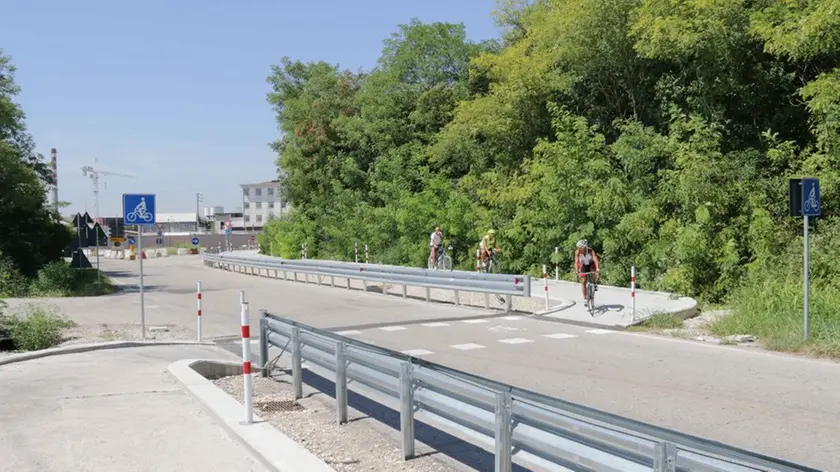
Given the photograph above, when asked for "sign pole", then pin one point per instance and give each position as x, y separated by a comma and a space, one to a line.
805, 276
142, 300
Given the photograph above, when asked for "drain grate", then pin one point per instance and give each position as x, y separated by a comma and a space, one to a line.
278, 405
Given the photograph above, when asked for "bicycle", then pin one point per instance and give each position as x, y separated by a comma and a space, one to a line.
142, 214
590, 292
490, 265
444, 260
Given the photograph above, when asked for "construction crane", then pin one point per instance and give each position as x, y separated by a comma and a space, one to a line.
94, 174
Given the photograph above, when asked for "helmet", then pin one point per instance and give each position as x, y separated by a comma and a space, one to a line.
582, 244
491, 231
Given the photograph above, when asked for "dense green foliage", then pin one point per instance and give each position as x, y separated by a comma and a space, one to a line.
662, 131
32, 232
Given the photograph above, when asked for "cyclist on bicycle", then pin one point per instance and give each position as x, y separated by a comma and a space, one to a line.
434, 243
585, 257
488, 245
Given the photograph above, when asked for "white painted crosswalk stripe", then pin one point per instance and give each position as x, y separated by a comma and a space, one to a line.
348, 332
417, 352
560, 336
474, 321
393, 328
435, 325
515, 341
511, 318
600, 331
467, 347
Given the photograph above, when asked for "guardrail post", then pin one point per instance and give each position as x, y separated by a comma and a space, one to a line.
405, 291
509, 304
428, 295
406, 410
332, 281
665, 457
341, 382
503, 432
457, 298
297, 368
486, 301
263, 344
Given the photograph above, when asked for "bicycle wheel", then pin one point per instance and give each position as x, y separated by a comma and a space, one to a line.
590, 298
446, 263
131, 217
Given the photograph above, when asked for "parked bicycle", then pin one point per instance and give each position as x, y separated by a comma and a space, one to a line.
444, 260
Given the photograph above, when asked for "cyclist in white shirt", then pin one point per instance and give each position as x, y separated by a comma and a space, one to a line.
585, 259
434, 243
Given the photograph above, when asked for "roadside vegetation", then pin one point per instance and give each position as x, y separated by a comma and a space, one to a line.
662, 132
31, 327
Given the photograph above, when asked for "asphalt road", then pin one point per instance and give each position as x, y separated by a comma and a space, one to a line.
774, 404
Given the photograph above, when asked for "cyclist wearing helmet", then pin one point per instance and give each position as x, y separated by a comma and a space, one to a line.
488, 245
585, 257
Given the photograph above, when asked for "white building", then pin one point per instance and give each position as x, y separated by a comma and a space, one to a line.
260, 202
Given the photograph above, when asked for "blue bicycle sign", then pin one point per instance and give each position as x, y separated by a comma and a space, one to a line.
811, 197
138, 209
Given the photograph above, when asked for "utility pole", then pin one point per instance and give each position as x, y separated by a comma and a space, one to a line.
198, 198
94, 174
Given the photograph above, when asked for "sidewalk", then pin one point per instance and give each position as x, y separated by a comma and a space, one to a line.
112, 410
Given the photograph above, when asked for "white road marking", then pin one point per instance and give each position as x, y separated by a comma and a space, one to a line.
393, 328
435, 325
467, 347
511, 318
348, 332
560, 336
515, 341
474, 321
417, 352
600, 331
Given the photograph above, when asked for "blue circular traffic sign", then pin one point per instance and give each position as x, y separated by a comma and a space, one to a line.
195, 241
131, 240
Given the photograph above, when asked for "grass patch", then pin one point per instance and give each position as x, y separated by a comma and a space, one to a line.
33, 327
771, 308
59, 279
659, 322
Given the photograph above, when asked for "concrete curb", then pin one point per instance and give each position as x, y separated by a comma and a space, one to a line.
271, 447
79, 348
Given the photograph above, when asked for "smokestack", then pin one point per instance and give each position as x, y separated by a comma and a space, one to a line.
54, 165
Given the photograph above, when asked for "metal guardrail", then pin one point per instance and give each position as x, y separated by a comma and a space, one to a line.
536, 430
499, 284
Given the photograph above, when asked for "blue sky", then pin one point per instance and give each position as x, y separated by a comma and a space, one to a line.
174, 92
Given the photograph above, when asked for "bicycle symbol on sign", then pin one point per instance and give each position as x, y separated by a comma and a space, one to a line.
811, 203
139, 212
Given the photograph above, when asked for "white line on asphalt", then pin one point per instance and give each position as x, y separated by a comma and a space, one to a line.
393, 328
515, 341
417, 352
348, 332
467, 347
474, 321
435, 325
600, 331
560, 336
511, 318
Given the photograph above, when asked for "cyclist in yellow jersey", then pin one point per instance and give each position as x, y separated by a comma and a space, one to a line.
488, 245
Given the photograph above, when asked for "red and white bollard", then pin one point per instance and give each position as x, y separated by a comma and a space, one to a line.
198, 309
478, 260
355, 254
556, 264
633, 289
367, 254
246, 364
545, 286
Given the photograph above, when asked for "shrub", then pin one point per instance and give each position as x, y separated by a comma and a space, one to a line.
37, 327
55, 279
12, 282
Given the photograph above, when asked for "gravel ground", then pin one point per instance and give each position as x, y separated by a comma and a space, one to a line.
359, 445
696, 329
125, 332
